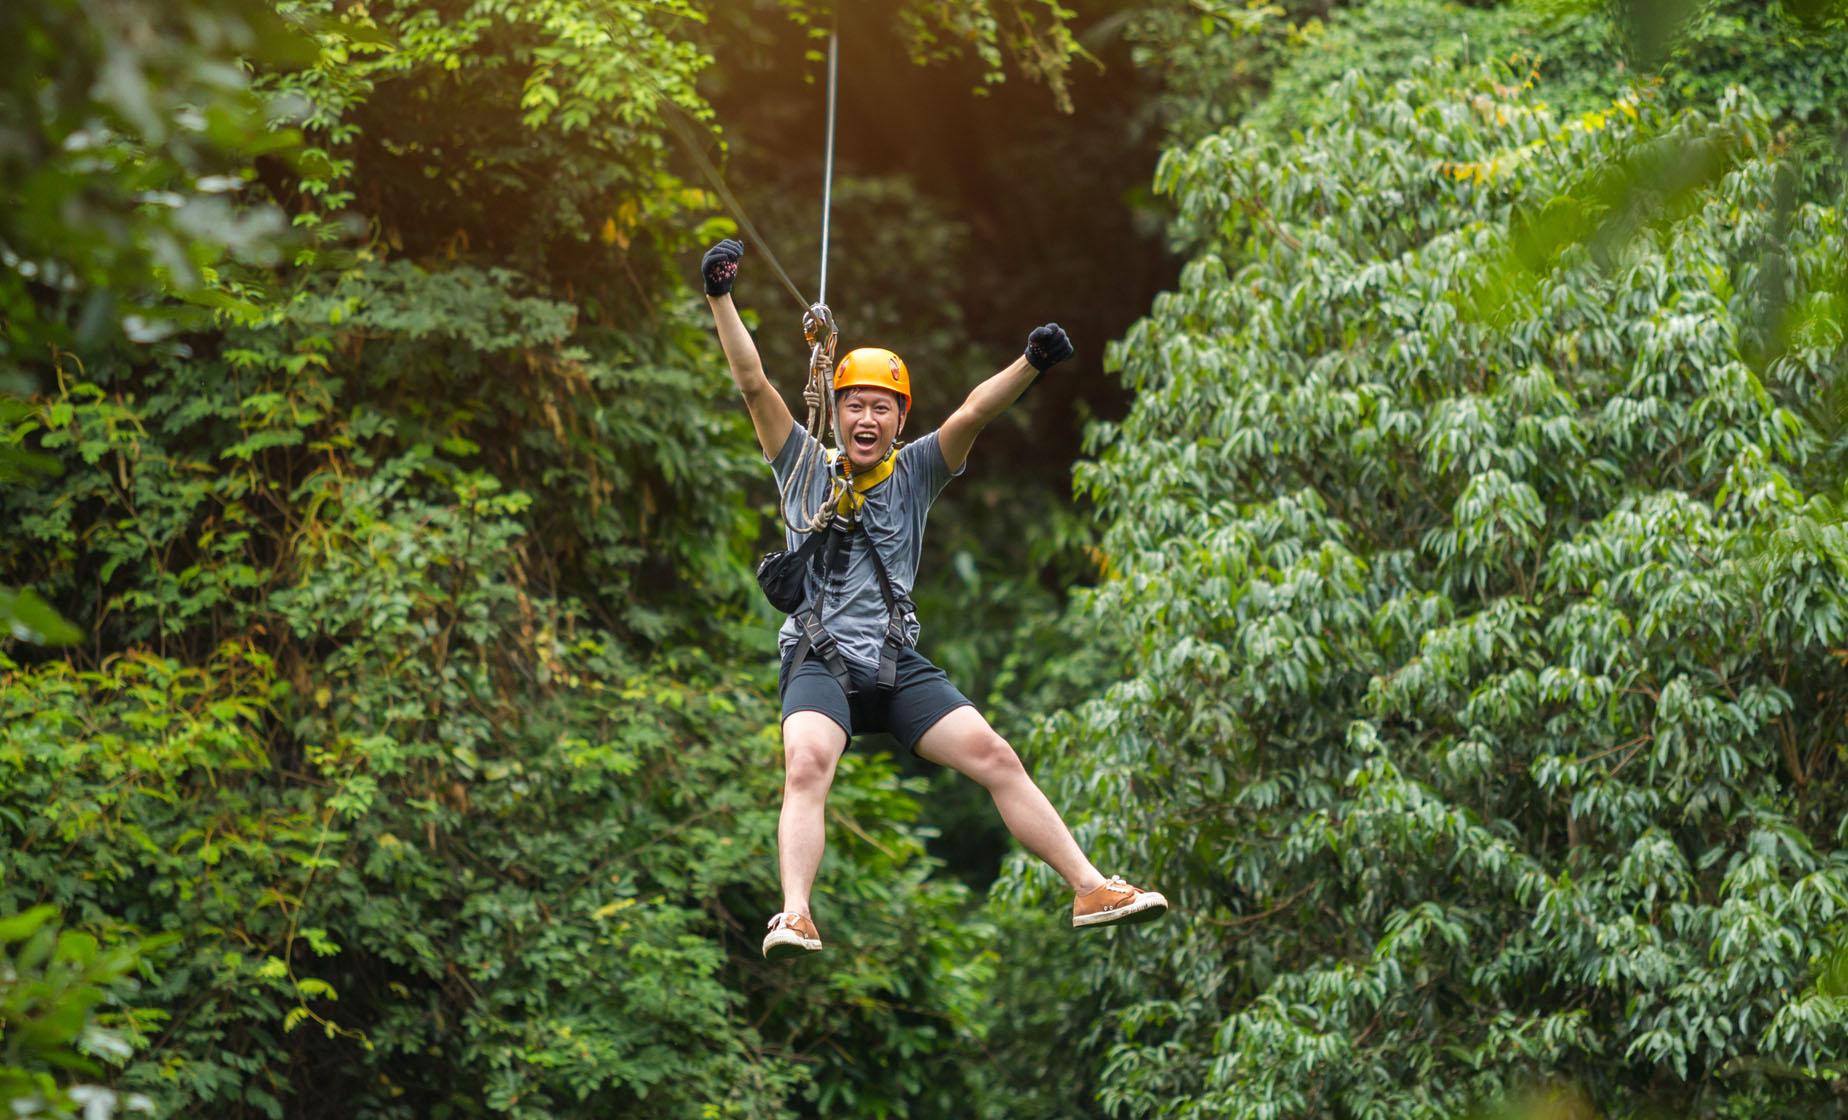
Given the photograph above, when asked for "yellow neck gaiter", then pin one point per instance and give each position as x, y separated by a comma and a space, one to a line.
852, 500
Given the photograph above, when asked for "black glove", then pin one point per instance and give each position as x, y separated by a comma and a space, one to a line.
720, 265
1047, 346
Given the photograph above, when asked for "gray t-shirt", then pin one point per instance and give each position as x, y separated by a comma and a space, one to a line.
892, 518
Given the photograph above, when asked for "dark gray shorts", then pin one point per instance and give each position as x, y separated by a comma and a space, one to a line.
921, 696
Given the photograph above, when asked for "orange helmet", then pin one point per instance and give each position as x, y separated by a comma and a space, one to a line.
877, 369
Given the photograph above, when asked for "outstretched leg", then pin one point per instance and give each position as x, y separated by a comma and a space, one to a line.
812, 744
964, 742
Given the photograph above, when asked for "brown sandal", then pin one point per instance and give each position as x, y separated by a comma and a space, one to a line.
1113, 902
790, 935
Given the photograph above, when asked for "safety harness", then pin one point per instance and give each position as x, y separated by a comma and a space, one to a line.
834, 549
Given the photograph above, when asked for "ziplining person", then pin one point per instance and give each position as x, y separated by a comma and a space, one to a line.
849, 659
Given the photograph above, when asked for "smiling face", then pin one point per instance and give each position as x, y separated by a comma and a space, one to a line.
870, 420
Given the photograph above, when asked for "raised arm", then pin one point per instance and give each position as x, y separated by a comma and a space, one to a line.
769, 413
1046, 347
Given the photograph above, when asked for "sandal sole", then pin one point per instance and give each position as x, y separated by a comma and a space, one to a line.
1136, 913
783, 945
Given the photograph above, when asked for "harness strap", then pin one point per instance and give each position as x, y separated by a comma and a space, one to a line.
819, 642
895, 626
815, 637
806, 552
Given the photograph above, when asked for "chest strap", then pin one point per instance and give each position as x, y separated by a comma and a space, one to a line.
815, 638
895, 625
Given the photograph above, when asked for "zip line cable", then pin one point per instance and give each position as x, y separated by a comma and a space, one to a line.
818, 326
819, 329
827, 166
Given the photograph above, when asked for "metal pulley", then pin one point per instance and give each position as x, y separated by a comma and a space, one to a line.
819, 329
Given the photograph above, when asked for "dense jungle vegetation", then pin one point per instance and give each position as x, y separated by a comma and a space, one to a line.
1433, 573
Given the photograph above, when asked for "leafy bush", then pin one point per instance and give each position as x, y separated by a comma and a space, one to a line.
1466, 712
52, 984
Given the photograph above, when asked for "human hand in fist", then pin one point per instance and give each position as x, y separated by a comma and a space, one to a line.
1047, 346
720, 266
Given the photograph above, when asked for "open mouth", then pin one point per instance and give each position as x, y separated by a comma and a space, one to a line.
866, 441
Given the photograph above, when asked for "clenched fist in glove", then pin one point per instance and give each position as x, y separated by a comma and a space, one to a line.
720, 265
1047, 346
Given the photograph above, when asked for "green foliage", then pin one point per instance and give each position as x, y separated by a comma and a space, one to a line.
516, 134
52, 984
1215, 60
31, 619
128, 141
1033, 36
129, 132
1792, 62
1579, 54
1580, 50
1461, 711
1468, 673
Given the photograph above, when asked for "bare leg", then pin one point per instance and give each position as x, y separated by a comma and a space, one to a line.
812, 744
964, 742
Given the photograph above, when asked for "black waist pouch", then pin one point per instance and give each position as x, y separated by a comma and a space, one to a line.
780, 574
783, 573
